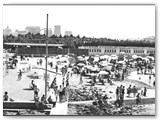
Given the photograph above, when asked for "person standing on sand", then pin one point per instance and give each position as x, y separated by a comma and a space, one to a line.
154, 84
57, 69
149, 79
134, 91
60, 93
145, 92
20, 75
5, 97
52, 99
37, 62
56, 92
40, 62
129, 90
138, 99
81, 81
36, 99
117, 92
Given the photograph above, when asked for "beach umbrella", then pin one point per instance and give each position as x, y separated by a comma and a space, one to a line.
103, 73
104, 57
122, 52
71, 60
34, 76
80, 57
95, 69
23, 62
134, 56
120, 62
150, 57
139, 57
92, 74
114, 57
80, 64
88, 67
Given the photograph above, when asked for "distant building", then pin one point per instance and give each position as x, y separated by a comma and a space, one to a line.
57, 30
49, 32
22, 32
7, 31
33, 29
108, 50
68, 33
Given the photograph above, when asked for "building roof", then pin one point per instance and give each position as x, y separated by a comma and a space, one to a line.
33, 44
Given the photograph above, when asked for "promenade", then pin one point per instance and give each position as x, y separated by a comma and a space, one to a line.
18, 90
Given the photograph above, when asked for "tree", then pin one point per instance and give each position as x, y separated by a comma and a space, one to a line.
78, 36
60, 36
83, 37
71, 35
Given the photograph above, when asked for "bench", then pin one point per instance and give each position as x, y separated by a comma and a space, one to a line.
23, 105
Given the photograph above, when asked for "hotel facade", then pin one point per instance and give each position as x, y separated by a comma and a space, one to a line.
103, 50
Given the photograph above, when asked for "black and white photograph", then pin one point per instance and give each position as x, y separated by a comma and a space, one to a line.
79, 60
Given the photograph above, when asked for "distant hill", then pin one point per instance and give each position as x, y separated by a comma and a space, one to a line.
151, 39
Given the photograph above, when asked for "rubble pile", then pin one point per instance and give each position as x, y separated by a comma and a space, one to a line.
80, 95
104, 109
25, 112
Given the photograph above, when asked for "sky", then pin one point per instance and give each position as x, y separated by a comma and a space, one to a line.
110, 21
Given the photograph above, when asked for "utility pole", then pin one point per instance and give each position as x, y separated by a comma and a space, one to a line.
46, 81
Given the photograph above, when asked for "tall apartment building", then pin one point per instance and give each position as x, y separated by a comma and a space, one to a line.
57, 30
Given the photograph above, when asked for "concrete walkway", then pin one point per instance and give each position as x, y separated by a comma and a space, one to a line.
142, 78
60, 109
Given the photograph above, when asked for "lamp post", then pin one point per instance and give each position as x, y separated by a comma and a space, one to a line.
46, 59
